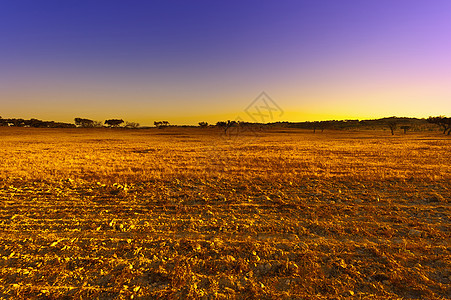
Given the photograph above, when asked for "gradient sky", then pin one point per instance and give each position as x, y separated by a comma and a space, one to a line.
191, 61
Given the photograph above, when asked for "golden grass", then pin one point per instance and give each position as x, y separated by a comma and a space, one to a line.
188, 213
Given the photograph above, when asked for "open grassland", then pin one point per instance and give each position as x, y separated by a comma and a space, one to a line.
187, 213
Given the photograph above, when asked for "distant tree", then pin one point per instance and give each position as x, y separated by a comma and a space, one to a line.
78, 121
114, 122
323, 125
392, 125
443, 122
405, 128
84, 122
37, 123
97, 124
131, 125
18, 122
161, 124
203, 124
226, 125
315, 126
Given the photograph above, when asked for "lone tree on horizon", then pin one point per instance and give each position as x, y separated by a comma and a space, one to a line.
114, 122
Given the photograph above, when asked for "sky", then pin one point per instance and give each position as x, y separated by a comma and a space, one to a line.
192, 61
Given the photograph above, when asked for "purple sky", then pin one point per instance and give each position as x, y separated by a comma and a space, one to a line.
191, 61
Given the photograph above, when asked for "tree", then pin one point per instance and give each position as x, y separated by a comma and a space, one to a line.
323, 125
392, 125
18, 122
443, 122
203, 124
315, 125
114, 122
131, 125
84, 122
226, 125
97, 124
405, 128
161, 124
37, 123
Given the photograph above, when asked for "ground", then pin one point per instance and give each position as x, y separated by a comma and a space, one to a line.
191, 213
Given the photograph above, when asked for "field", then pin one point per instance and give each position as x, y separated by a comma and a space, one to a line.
190, 213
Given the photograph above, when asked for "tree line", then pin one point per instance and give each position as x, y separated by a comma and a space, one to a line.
391, 123
87, 123
17, 122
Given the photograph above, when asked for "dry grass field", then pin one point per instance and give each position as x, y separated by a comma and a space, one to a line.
186, 213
